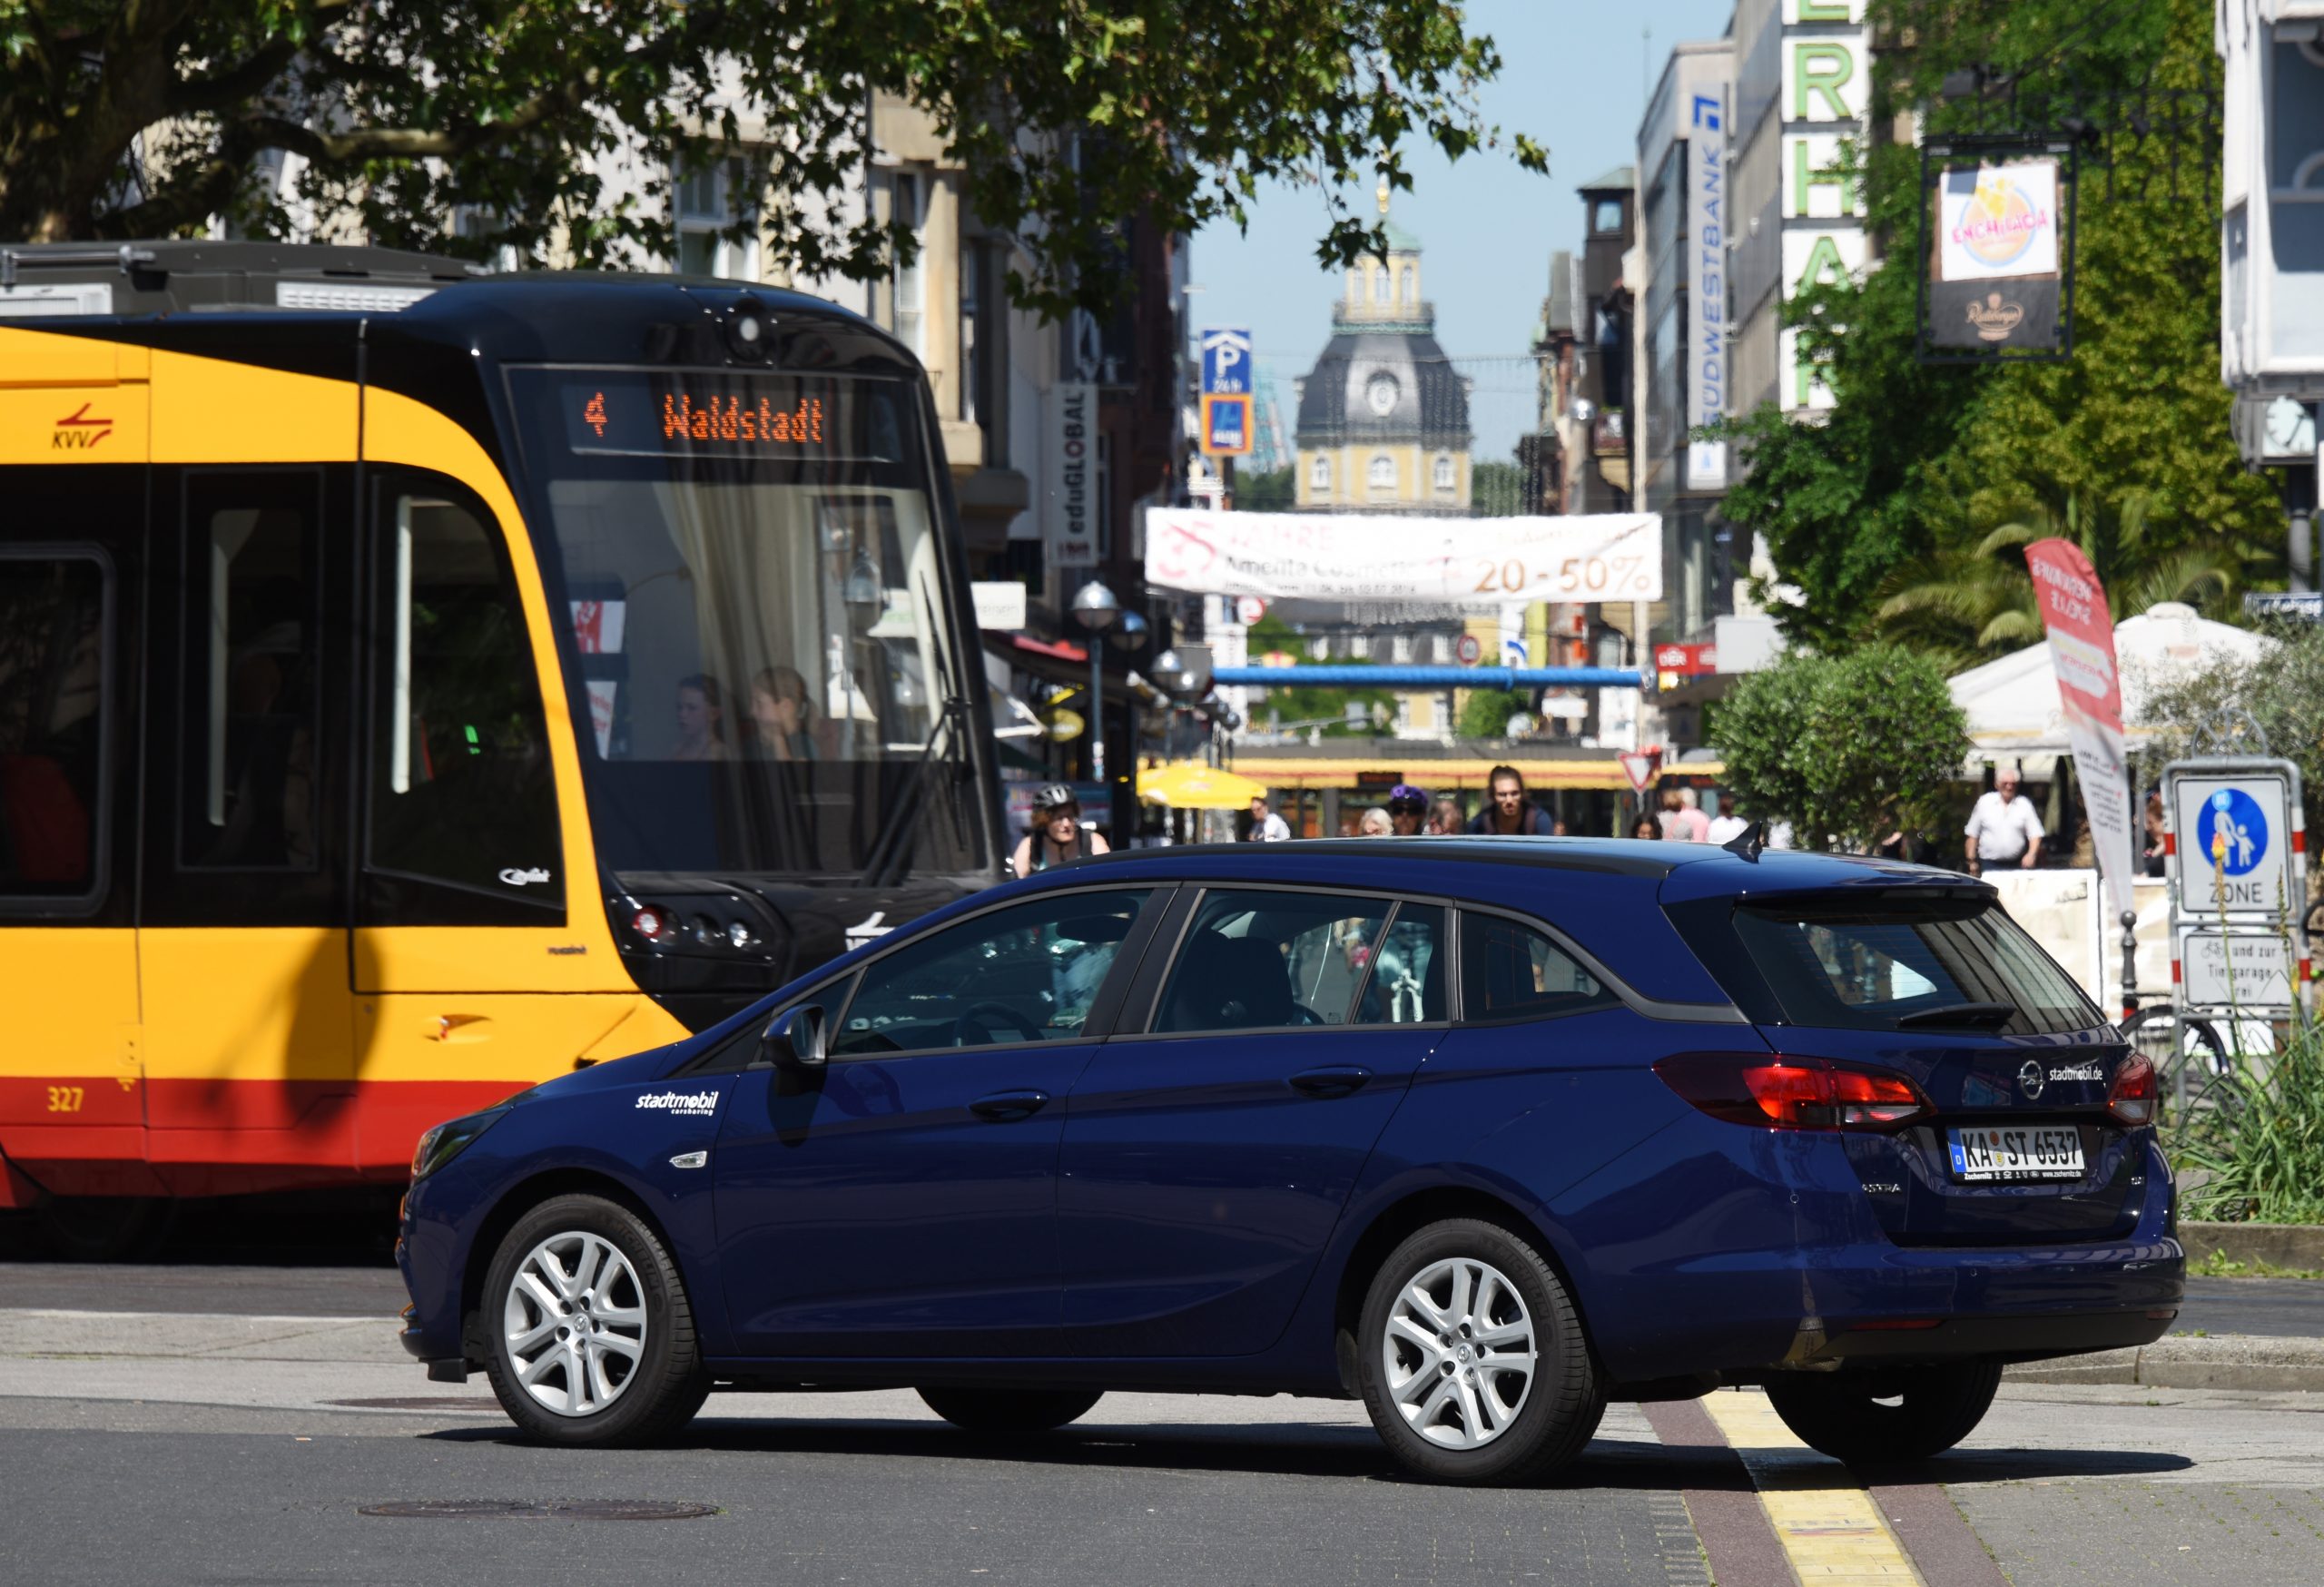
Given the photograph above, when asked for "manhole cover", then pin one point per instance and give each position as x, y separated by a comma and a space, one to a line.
631, 1510
575, 1510
469, 1403
449, 1509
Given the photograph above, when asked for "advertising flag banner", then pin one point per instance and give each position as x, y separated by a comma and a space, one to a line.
1479, 564
2081, 648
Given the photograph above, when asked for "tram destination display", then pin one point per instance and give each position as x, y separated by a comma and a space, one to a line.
715, 413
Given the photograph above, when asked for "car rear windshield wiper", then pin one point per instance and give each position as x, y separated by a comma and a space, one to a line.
1975, 1014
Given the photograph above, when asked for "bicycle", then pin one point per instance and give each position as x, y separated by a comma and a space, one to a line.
2196, 1047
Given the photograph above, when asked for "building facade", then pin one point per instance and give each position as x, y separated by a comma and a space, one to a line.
1383, 416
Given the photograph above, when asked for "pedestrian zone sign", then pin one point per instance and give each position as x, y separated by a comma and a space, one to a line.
2235, 838
1225, 426
1638, 766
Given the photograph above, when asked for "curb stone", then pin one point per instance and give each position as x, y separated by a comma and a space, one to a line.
2299, 1245
2222, 1361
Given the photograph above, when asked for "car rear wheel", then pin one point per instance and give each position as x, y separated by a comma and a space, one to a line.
1003, 1413
1472, 1360
590, 1340
1887, 1414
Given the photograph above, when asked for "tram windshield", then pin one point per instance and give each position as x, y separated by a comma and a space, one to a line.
750, 572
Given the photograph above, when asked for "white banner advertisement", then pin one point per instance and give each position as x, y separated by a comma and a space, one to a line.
1477, 563
2000, 221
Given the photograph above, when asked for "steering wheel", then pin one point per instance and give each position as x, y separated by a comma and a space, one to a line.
1301, 1014
978, 1021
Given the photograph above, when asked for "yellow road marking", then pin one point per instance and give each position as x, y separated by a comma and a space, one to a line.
1833, 1533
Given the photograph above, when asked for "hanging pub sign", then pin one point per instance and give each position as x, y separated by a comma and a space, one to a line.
1997, 264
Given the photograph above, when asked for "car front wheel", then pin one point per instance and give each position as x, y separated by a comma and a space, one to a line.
1472, 1358
1887, 1414
590, 1340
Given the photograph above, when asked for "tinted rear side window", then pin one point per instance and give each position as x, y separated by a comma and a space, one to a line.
1888, 969
1511, 971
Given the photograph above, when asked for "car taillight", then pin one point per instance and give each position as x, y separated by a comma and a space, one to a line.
1776, 1092
2131, 1098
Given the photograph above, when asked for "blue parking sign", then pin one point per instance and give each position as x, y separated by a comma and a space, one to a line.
1226, 363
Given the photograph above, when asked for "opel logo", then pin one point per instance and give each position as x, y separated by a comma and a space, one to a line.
2030, 1080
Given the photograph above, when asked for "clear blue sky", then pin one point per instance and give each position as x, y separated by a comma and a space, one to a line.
1575, 75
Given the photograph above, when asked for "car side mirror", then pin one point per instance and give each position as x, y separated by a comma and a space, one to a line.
795, 1038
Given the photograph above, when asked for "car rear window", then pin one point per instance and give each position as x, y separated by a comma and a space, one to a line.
1894, 968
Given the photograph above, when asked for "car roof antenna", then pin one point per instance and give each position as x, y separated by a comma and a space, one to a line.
1749, 843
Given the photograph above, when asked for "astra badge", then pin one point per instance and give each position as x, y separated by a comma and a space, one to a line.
2030, 1080
1993, 318
692, 1104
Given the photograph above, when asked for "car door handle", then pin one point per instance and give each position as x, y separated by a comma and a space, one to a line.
1333, 1080
1003, 1106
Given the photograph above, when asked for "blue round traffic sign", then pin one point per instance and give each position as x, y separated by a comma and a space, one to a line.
2233, 835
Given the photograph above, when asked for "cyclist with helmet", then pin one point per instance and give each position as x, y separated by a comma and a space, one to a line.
1407, 810
1057, 834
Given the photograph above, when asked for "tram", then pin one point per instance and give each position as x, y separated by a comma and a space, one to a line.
415, 684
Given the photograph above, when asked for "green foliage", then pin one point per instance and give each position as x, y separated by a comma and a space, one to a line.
2255, 1150
2281, 694
1327, 707
1905, 481
1966, 602
125, 120
1847, 749
1276, 490
1485, 713
1497, 490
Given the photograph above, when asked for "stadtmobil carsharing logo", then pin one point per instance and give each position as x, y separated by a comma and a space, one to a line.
699, 1104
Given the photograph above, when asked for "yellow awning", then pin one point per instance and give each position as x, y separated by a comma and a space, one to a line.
1192, 785
1440, 776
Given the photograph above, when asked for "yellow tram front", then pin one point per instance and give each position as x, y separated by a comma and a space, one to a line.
413, 686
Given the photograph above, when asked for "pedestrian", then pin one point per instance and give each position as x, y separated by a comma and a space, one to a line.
1375, 823
1690, 812
1726, 826
1647, 826
2151, 857
1266, 826
1508, 812
1672, 819
2002, 829
1407, 808
1057, 834
1445, 817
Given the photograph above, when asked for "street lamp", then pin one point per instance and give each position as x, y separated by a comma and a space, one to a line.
1131, 636
1098, 609
1171, 672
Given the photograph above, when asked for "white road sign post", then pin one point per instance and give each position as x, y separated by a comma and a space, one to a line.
2237, 864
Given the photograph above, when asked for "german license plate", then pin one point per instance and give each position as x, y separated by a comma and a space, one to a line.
2006, 1153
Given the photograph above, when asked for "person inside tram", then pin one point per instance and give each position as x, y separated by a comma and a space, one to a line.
780, 712
701, 720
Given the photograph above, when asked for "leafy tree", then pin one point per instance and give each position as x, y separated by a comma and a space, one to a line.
1847, 749
1497, 490
1485, 713
1966, 603
1916, 466
1273, 490
1326, 707
2213, 707
126, 118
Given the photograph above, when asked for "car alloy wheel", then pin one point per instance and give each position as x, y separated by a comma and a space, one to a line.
574, 1321
1458, 1355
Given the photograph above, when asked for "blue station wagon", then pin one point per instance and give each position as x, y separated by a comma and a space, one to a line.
1486, 1132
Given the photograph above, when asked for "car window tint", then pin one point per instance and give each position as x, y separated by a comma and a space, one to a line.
1407, 983
1512, 971
1260, 958
1023, 974
1866, 970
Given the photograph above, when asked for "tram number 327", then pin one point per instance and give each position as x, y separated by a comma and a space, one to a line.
64, 1098
1592, 577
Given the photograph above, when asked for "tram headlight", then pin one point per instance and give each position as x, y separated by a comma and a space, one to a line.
747, 330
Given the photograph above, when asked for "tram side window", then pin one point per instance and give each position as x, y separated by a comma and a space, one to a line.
463, 797
252, 682
52, 719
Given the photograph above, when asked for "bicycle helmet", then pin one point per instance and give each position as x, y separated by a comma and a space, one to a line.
1055, 796
1404, 799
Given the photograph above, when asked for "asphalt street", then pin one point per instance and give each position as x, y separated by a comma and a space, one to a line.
210, 1422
